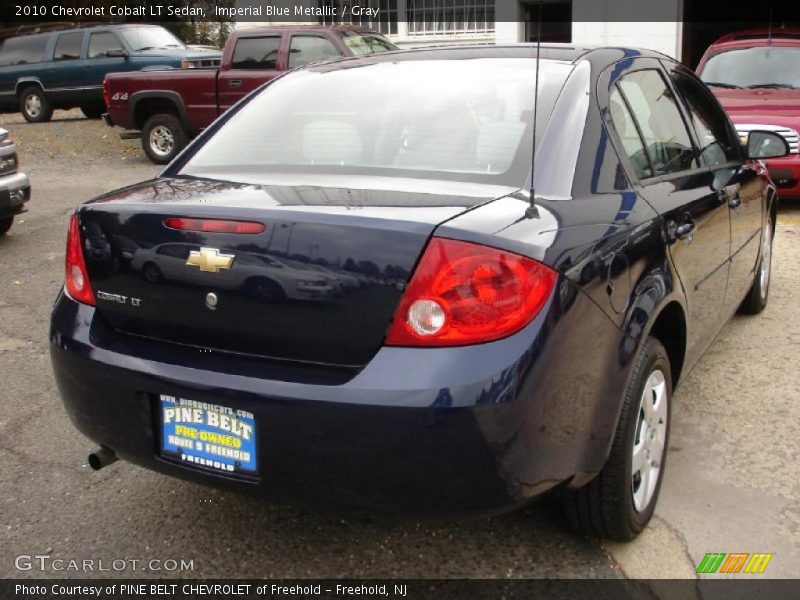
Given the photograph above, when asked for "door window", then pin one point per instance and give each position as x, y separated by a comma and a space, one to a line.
256, 53
655, 111
717, 146
68, 46
101, 43
310, 48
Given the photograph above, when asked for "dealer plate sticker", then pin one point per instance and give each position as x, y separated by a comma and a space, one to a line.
208, 435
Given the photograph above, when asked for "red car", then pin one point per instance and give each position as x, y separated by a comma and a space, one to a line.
755, 74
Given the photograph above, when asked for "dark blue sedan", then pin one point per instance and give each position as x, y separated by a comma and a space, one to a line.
498, 330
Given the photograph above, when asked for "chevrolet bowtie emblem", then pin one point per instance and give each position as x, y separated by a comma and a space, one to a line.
209, 260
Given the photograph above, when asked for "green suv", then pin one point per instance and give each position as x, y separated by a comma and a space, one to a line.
65, 69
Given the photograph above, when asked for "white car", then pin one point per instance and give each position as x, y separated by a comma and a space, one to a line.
263, 276
348, 281
15, 190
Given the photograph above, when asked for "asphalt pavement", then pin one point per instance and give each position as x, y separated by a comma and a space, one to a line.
731, 480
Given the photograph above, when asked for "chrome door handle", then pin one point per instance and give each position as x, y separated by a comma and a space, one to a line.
730, 194
235, 83
685, 230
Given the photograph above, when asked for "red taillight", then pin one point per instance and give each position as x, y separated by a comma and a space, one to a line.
214, 225
106, 92
77, 280
463, 293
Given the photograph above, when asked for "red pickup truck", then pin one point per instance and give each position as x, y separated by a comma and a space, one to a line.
167, 108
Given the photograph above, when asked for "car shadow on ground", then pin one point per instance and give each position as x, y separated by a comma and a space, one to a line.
11, 118
290, 541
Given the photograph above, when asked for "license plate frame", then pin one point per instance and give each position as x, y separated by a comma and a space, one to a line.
207, 436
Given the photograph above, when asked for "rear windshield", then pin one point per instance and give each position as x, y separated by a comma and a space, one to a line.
23, 50
367, 43
763, 66
461, 120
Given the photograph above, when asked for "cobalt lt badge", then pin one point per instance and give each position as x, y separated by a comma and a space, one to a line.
209, 260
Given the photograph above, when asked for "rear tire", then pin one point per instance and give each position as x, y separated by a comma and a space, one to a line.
151, 273
34, 105
5, 224
619, 503
758, 296
266, 290
163, 136
92, 112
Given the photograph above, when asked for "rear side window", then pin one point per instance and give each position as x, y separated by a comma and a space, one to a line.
653, 106
366, 43
101, 43
257, 53
717, 145
306, 49
68, 46
629, 136
23, 50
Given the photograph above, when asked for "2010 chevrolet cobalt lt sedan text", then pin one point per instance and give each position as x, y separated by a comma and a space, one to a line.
345, 290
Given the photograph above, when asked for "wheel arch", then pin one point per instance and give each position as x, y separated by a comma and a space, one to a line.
772, 206
252, 279
147, 103
657, 309
669, 328
26, 82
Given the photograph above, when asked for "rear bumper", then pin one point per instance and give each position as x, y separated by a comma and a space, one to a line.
124, 135
442, 431
15, 191
785, 173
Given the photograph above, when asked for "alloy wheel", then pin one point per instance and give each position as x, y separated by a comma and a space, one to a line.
33, 105
151, 273
161, 140
649, 440
766, 260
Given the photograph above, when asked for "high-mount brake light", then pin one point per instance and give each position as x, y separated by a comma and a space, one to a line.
76, 278
214, 225
463, 293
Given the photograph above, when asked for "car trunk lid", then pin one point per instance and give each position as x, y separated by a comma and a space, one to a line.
319, 284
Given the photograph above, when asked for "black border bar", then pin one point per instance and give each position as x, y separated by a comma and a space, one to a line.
778, 12
744, 587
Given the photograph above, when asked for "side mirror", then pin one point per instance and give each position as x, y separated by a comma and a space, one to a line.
766, 144
117, 53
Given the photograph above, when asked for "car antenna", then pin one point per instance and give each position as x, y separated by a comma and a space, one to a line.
532, 212
769, 31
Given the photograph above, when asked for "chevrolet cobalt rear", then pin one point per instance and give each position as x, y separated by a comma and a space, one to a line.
377, 282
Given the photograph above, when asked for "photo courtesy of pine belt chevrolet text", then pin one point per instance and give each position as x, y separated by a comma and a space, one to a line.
438, 281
